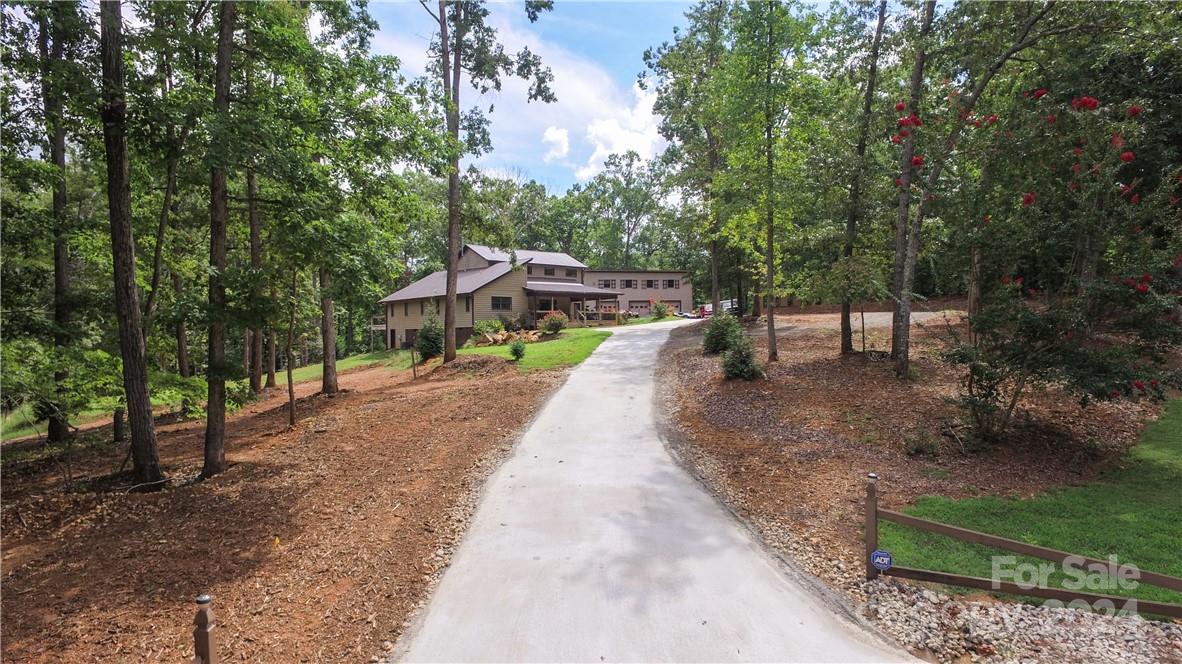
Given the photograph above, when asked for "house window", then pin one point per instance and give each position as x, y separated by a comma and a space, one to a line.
422, 307
467, 303
529, 269
649, 283
572, 273
502, 303
549, 271
672, 283
607, 283
406, 308
627, 283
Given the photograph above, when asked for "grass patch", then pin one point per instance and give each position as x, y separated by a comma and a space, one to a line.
1132, 511
395, 360
570, 348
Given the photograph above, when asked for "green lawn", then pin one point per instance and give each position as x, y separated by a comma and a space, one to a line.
18, 422
393, 359
1133, 511
571, 347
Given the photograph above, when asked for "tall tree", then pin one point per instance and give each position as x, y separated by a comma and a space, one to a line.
215, 425
146, 462
468, 44
854, 212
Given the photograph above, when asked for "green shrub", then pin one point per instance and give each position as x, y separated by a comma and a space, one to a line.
517, 349
722, 331
483, 327
429, 340
921, 444
554, 322
739, 360
659, 310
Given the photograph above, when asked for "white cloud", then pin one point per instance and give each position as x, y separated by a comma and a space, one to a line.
558, 139
599, 115
625, 129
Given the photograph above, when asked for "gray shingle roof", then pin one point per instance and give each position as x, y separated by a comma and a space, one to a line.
435, 284
525, 255
572, 288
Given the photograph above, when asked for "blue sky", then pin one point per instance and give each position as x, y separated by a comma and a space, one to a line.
595, 50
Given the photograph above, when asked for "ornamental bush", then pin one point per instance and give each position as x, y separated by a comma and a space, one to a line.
554, 322
722, 331
517, 349
739, 360
483, 327
429, 340
659, 310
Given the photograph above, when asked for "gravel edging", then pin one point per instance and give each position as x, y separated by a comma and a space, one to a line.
929, 624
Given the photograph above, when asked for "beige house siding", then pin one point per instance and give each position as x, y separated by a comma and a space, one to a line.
636, 295
510, 285
472, 260
403, 316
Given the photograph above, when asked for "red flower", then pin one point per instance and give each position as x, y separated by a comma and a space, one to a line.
976, 123
1124, 189
1028, 198
1077, 151
904, 122
1076, 167
1005, 279
1173, 201
1130, 282
1118, 141
896, 139
1040, 93
904, 132
1114, 394
917, 161
901, 106
1127, 156
898, 182
1147, 278
1153, 383
1139, 385
1135, 199
1142, 289
1134, 111
1018, 280
991, 119
1085, 103
1137, 228
1052, 118
915, 120
985, 220
1074, 186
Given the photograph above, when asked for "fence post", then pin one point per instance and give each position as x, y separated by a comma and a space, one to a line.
871, 524
204, 643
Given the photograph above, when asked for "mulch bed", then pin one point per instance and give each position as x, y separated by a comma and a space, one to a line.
317, 544
791, 452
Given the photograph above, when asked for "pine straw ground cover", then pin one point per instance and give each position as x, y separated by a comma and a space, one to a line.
317, 543
790, 453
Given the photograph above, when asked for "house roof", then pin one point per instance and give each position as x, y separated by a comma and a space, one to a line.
435, 284
595, 270
524, 255
572, 288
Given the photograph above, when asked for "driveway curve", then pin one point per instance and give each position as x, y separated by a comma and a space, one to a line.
591, 544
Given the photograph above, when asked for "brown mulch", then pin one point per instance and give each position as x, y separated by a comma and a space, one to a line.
791, 452
317, 544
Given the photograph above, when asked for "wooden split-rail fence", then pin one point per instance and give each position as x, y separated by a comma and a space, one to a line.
888, 568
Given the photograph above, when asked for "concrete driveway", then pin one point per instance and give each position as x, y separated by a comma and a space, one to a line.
591, 544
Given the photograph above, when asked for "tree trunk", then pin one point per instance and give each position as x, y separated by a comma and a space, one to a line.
118, 420
182, 334
158, 253
291, 321
450, 60
328, 334
256, 264
975, 260
51, 59
145, 460
900, 324
270, 357
855, 205
773, 353
215, 424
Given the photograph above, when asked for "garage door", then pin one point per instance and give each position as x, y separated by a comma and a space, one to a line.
639, 307
410, 338
674, 304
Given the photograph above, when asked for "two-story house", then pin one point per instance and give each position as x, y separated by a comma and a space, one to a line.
517, 288
639, 288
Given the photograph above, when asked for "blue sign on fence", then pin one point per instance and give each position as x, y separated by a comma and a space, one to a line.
882, 560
